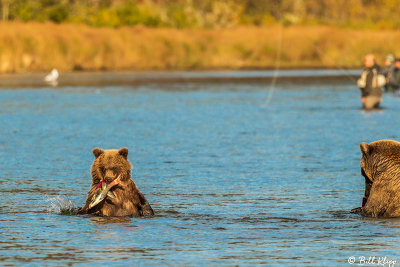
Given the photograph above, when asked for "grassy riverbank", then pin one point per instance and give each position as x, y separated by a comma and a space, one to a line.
41, 46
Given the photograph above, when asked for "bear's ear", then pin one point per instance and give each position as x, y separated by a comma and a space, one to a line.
123, 152
364, 148
97, 152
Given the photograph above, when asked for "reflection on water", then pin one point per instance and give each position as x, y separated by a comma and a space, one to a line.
107, 220
231, 182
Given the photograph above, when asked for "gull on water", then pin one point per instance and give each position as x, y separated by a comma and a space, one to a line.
52, 77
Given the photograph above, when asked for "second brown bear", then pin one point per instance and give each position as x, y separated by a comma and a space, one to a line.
380, 166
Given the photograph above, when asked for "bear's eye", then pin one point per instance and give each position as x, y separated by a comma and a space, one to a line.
103, 170
114, 169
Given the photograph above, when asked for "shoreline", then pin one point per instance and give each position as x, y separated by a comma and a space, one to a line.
125, 78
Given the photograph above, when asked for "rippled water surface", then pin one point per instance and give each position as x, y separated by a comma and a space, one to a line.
233, 179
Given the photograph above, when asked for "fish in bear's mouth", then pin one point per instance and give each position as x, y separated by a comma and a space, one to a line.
103, 191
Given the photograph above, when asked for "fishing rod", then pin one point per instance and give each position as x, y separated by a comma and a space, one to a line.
272, 85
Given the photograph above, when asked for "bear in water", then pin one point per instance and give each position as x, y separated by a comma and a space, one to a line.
380, 166
127, 200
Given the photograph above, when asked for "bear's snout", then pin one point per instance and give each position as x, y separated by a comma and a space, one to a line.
108, 179
109, 176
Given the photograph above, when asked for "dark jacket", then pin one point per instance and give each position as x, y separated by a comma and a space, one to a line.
370, 89
388, 72
394, 79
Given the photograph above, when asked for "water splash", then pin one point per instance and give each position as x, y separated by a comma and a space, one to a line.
61, 205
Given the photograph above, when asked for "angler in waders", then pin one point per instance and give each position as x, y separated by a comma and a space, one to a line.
371, 83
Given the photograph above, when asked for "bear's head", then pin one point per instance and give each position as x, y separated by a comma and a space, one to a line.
380, 160
109, 164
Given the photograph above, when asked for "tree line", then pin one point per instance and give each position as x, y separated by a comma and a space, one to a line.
376, 14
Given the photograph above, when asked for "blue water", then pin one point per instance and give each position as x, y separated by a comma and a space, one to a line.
233, 179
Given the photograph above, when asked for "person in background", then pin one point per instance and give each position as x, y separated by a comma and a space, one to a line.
387, 71
394, 77
370, 84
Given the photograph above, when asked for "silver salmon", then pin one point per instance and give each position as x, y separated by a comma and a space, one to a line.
104, 191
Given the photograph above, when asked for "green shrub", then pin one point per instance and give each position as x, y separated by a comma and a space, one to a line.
376, 14
104, 17
58, 13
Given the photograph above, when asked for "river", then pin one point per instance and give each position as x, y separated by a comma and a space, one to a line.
237, 172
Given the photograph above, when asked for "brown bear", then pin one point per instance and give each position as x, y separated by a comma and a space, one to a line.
127, 199
380, 166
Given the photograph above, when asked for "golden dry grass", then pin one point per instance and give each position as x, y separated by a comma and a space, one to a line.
42, 46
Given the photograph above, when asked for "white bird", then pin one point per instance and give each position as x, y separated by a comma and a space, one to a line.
52, 76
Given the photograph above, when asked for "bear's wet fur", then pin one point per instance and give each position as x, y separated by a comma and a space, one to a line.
128, 201
380, 166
